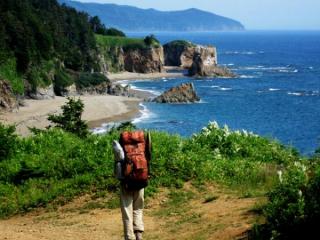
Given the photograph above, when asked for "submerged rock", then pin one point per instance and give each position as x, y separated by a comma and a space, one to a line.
185, 93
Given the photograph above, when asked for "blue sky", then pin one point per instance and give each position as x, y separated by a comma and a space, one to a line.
254, 14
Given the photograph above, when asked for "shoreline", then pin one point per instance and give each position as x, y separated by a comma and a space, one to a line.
98, 109
169, 72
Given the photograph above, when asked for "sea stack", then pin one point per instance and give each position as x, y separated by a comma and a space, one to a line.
184, 93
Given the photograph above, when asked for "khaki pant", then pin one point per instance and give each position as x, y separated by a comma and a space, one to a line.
132, 203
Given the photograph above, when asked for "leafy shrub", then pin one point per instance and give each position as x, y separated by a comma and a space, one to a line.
90, 79
70, 119
8, 141
293, 211
181, 43
151, 40
242, 144
61, 81
115, 32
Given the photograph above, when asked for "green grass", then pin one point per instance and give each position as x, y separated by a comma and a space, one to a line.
53, 166
110, 41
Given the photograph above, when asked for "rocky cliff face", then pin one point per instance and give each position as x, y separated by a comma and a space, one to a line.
205, 64
7, 99
146, 60
41, 93
200, 60
179, 53
185, 93
139, 60
111, 59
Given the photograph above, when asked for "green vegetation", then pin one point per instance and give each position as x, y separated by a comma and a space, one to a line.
85, 80
181, 43
114, 41
127, 43
100, 28
55, 165
40, 41
70, 119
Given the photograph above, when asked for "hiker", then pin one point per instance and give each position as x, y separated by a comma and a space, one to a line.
133, 156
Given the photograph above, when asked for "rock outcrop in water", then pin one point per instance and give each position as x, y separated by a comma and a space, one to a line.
185, 93
200, 60
205, 64
202, 67
181, 53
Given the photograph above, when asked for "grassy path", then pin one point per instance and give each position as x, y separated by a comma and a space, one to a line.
182, 214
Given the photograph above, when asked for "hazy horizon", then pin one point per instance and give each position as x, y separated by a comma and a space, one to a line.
254, 15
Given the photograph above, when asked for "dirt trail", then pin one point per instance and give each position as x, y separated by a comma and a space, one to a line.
226, 216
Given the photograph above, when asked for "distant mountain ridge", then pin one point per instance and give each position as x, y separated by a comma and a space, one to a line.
130, 18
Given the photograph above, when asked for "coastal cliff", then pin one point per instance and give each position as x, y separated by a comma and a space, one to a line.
118, 54
146, 60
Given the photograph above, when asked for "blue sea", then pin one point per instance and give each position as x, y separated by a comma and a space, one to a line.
276, 93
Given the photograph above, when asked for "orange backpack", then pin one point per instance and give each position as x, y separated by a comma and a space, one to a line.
135, 163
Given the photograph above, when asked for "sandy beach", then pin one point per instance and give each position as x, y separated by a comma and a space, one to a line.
170, 72
98, 110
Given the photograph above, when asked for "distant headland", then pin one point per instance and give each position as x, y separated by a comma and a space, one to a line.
128, 18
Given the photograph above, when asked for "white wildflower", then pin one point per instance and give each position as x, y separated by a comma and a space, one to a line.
214, 124
245, 133
237, 132
226, 130
300, 193
280, 175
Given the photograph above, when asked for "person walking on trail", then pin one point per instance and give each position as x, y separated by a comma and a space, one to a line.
132, 168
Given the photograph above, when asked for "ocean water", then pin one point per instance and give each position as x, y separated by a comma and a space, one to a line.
277, 93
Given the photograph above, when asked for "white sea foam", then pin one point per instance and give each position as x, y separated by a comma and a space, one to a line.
295, 93
282, 69
202, 102
274, 89
248, 76
225, 89
157, 93
144, 114
242, 52
106, 127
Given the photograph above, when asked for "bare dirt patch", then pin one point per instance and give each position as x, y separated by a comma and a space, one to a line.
182, 214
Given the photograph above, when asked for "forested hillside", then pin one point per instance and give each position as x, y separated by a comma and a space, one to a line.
39, 40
